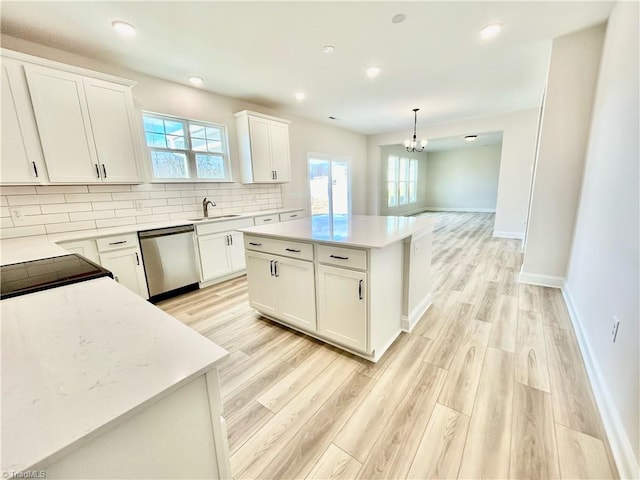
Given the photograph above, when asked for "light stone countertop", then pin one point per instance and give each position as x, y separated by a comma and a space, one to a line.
76, 359
24, 249
364, 231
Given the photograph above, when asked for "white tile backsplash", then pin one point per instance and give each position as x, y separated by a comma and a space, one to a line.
66, 208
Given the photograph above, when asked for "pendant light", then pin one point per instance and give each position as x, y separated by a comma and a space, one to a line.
413, 143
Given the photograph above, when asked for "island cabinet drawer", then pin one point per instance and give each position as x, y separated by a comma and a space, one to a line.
342, 257
286, 248
266, 219
116, 242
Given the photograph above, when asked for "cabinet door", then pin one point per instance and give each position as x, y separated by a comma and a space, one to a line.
61, 113
127, 269
260, 150
236, 252
214, 255
342, 307
262, 284
296, 292
86, 248
111, 112
21, 152
280, 161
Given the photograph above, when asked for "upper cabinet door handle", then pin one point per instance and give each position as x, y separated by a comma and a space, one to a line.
35, 168
360, 290
271, 267
339, 257
275, 268
104, 170
97, 170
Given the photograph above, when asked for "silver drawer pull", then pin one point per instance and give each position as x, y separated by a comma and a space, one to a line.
339, 257
292, 250
255, 244
118, 243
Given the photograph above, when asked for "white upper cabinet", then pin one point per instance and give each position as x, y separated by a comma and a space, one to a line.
263, 144
112, 122
78, 124
86, 127
21, 153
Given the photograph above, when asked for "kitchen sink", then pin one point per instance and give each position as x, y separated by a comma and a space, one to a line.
215, 217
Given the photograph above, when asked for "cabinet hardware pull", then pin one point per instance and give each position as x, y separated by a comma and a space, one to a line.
255, 244
293, 216
275, 268
292, 250
97, 170
360, 290
267, 219
104, 170
339, 257
137, 259
226, 239
35, 168
271, 267
276, 172
231, 239
118, 243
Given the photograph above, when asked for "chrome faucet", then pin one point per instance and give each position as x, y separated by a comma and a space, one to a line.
205, 206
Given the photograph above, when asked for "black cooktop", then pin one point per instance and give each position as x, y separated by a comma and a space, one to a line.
28, 277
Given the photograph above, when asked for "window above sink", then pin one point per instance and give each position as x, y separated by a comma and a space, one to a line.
186, 150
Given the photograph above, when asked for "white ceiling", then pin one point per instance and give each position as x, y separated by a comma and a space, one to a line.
263, 52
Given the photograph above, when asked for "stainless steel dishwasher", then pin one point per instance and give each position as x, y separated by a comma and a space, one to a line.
169, 259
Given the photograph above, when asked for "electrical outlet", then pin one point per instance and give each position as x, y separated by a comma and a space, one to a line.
139, 205
614, 329
17, 215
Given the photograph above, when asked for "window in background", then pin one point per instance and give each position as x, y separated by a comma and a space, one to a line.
188, 150
402, 181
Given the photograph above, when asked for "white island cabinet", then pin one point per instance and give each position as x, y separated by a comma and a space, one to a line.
342, 280
98, 383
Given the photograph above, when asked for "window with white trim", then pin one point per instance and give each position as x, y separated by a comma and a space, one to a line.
402, 181
189, 150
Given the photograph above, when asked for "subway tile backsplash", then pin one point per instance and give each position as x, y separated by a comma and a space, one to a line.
66, 208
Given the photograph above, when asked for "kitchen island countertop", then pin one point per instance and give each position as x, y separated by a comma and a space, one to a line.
365, 231
81, 358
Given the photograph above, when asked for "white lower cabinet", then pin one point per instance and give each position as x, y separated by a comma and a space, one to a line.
126, 266
342, 306
283, 288
220, 254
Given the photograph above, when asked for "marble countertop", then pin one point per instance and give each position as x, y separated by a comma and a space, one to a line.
76, 359
365, 231
24, 249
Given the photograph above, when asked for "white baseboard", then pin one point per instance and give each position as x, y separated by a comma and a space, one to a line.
503, 234
462, 209
407, 323
541, 279
621, 448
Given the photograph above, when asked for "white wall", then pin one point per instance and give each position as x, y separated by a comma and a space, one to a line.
463, 179
157, 95
518, 146
411, 208
604, 265
566, 117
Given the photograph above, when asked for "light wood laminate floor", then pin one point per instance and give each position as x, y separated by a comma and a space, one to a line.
490, 384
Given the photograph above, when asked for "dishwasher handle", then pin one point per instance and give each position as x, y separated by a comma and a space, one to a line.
163, 232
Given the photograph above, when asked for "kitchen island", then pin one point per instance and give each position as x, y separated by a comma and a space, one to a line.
352, 281
98, 383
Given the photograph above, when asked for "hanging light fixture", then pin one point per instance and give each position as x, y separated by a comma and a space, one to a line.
413, 143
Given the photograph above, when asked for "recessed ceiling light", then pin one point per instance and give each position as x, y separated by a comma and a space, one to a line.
490, 31
328, 49
123, 28
299, 96
399, 18
197, 81
471, 138
373, 71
